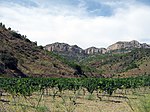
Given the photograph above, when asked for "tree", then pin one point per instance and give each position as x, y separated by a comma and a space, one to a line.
15, 34
9, 28
2, 68
3, 26
8, 60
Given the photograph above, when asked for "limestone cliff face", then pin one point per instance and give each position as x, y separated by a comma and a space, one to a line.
94, 50
75, 50
63, 47
127, 45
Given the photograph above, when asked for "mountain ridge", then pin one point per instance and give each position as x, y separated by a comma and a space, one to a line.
64, 47
127, 59
20, 57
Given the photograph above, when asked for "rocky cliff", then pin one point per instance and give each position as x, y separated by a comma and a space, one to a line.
94, 50
74, 49
127, 45
63, 47
72, 52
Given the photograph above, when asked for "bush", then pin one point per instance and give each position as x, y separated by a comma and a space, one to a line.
27, 40
3, 26
8, 60
9, 28
40, 47
78, 70
15, 34
132, 66
2, 68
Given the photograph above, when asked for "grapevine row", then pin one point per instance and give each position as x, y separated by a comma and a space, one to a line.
26, 86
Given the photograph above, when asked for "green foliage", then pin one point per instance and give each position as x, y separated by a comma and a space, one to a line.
26, 86
2, 68
41, 47
27, 40
8, 59
19, 36
9, 28
3, 26
42, 109
143, 104
78, 69
90, 84
114, 63
15, 34
132, 66
70, 63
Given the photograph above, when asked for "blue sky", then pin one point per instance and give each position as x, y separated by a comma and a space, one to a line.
83, 22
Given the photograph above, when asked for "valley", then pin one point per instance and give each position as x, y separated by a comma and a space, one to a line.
63, 78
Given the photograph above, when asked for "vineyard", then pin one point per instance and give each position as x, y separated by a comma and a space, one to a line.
64, 94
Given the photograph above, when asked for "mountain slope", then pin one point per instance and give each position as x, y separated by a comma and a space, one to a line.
136, 62
19, 57
121, 59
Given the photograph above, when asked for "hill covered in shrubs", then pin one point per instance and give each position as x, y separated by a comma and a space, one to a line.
19, 57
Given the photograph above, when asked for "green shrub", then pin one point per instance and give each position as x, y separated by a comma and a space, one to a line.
40, 47
132, 66
2, 68
15, 34
1, 24
8, 59
9, 28
27, 40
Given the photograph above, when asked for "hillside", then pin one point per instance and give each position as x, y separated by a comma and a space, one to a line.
121, 59
134, 63
19, 57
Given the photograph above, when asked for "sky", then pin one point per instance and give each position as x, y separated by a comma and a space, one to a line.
85, 23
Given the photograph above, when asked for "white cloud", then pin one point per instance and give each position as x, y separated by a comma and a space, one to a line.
73, 26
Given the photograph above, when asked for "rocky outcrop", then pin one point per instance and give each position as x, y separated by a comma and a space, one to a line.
62, 47
144, 45
94, 50
74, 49
127, 45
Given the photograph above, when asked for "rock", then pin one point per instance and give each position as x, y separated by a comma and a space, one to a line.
63, 47
94, 50
75, 50
127, 45
144, 45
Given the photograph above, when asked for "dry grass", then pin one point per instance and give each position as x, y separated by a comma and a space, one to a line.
68, 101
